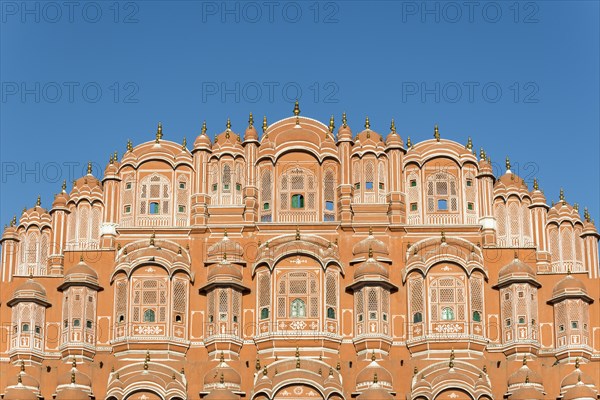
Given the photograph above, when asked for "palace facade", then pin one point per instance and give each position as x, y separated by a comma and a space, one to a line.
304, 263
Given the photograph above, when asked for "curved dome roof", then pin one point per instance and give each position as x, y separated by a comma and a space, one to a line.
225, 269
226, 246
511, 182
516, 267
228, 141
221, 394
371, 267
23, 378
569, 284
222, 377
375, 392
202, 141
61, 199
370, 243
576, 376
31, 286
71, 392
527, 392
81, 270
366, 376
524, 374
19, 393
580, 392
73, 374
36, 215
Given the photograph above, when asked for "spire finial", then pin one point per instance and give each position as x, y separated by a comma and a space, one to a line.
38, 202
203, 130
577, 363
225, 232
222, 357
481, 154
22, 366
375, 377
373, 358
536, 186
19, 379
13, 221
228, 124
331, 124
576, 206
296, 108
527, 378
250, 120
344, 120
72, 377
562, 195
116, 156
469, 145
74, 362
408, 142
224, 256
586, 214
516, 255
265, 372
184, 143
370, 230
524, 360
436, 132
152, 238
297, 233
264, 124
129, 145
64, 186
451, 363
159, 133
443, 236
257, 364
370, 252
80, 260
367, 123
89, 168
393, 126
507, 163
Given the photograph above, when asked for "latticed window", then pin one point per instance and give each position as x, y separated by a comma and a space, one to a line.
297, 195
264, 294
447, 296
415, 288
329, 196
331, 292
179, 299
476, 297
370, 180
149, 300
155, 194
28, 320
414, 198
442, 193
298, 295
500, 215
266, 196
470, 196
34, 247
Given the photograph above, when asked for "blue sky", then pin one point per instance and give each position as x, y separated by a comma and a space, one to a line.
521, 78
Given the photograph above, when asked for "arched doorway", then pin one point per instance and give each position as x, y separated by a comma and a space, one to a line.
453, 394
298, 392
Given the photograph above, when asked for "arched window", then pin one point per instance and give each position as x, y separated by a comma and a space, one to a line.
297, 196
149, 316
447, 314
264, 313
155, 196
330, 313
417, 317
476, 316
297, 201
441, 193
298, 309
329, 196
266, 194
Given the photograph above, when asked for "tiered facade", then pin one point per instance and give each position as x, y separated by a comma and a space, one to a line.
303, 263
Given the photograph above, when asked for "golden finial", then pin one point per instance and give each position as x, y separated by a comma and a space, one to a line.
562, 195
111, 159
393, 126
116, 156
159, 132
184, 143
225, 233
222, 359
527, 378
179, 251
331, 124
577, 363
415, 370
74, 362
536, 186
152, 237
297, 233
576, 206
516, 255
451, 363
89, 168
265, 372
224, 256
129, 145
13, 221
344, 120
443, 236
330, 371
19, 379
370, 230
38, 202
408, 142
22, 366
80, 260
370, 252
250, 120
373, 358
257, 364
73, 377
524, 360
296, 108
485, 369
375, 377
228, 124
125, 251
367, 123
147, 355
297, 352
436, 132
203, 130
264, 125
338, 366
507, 163
297, 363
586, 215
481, 154
222, 379
469, 145
117, 376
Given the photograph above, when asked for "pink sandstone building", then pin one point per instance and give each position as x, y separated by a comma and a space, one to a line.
307, 262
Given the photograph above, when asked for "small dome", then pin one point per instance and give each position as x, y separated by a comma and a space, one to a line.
19, 393
524, 374
516, 268
202, 141
30, 287
371, 267
393, 139
225, 269
251, 134
81, 379
575, 377
580, 392
370, 242
344, 133
510, 181
226, 246
527, 392
222, 376
375, 392
25, 378
569, 284
70, 393
81, 271
367, 374
221, 394
36, 215
60, 200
